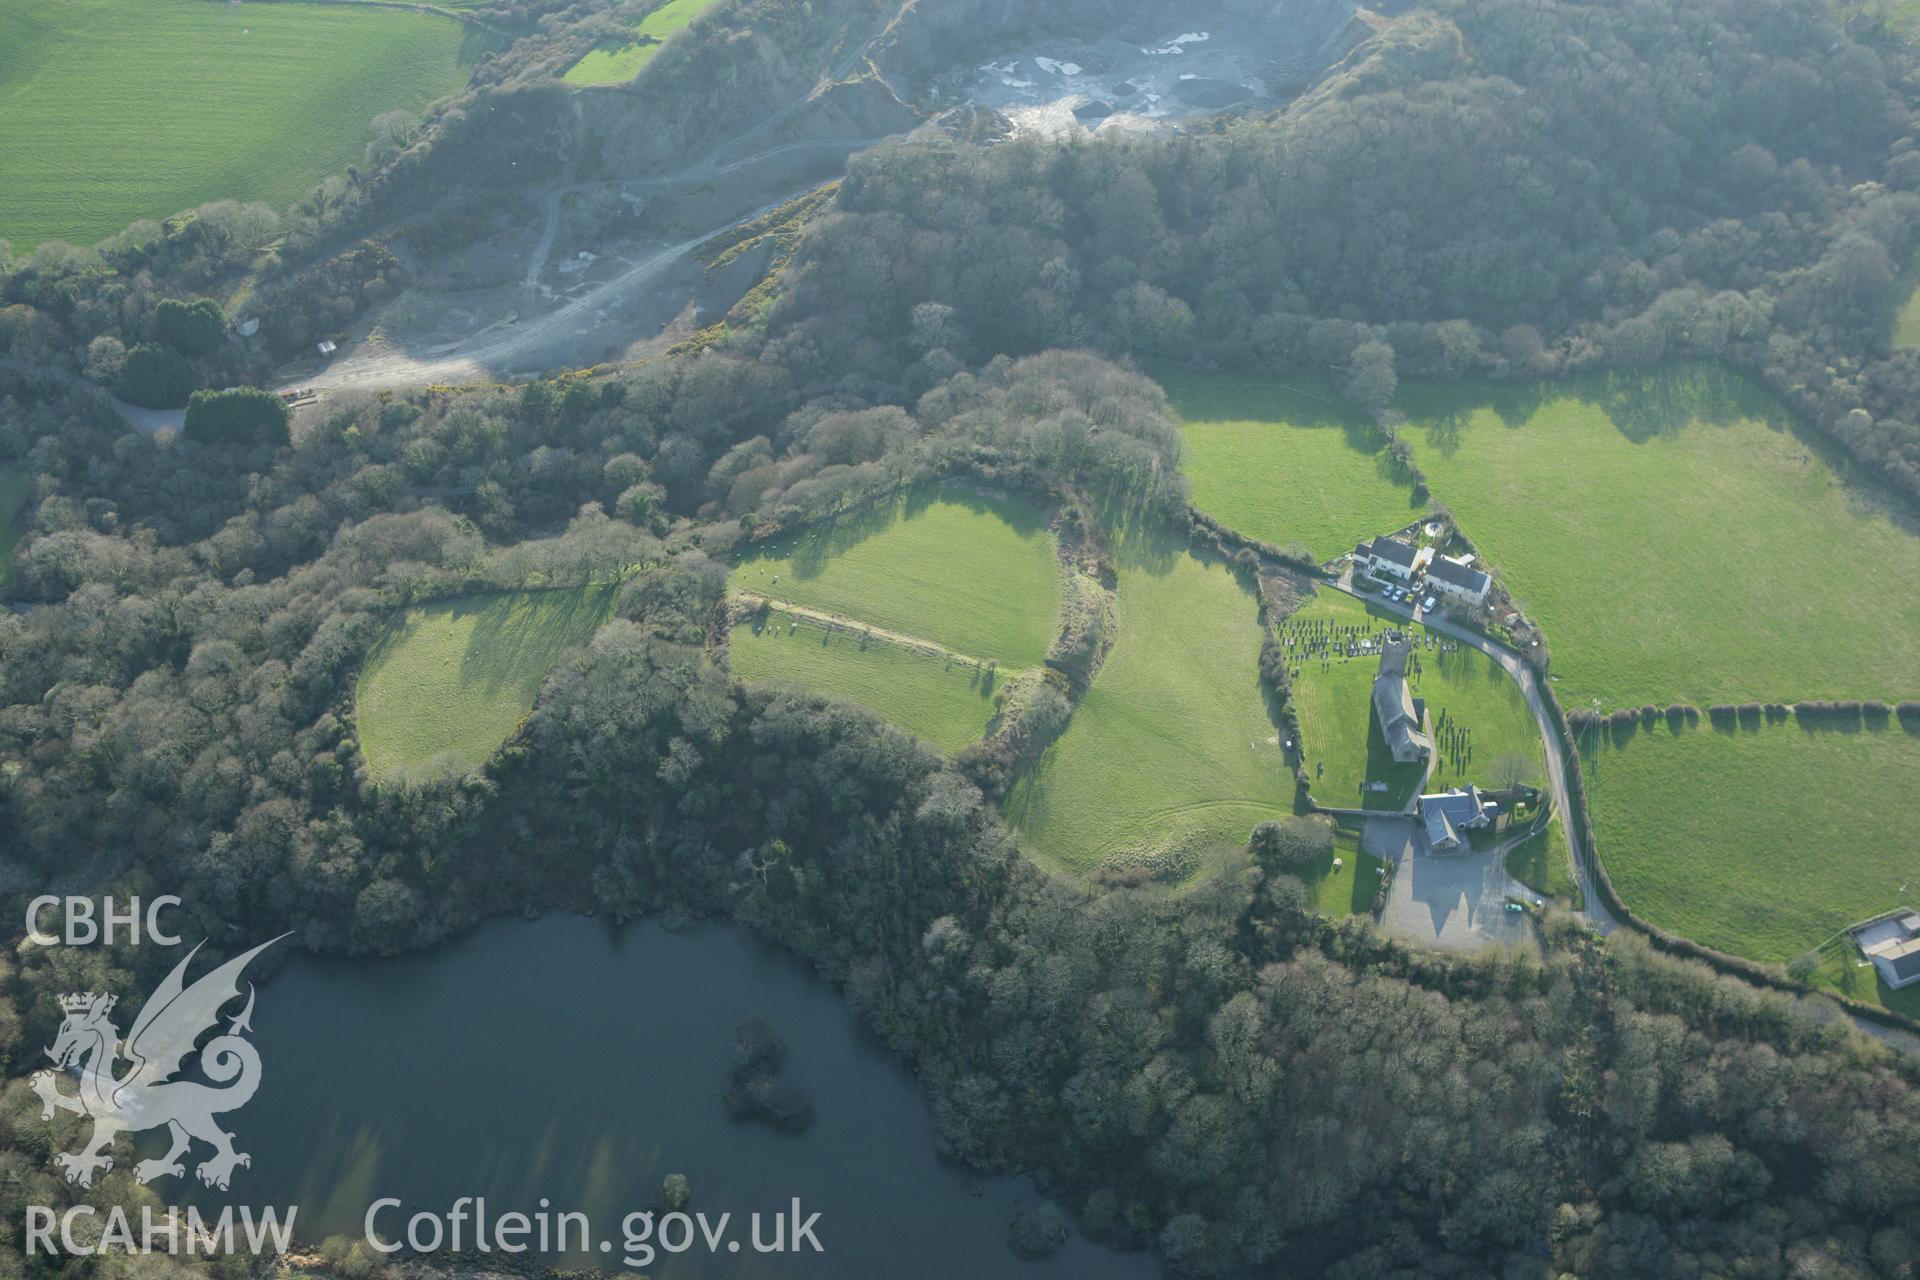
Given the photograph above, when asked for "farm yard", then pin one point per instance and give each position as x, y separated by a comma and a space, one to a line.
251, 102
944, 702
13, 496
1171, 757
1675, 539
456, 677
1286, 465
618, 63
1479, 719
971, 573
1763, 841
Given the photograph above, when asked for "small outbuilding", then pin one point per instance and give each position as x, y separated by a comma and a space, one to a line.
328, 346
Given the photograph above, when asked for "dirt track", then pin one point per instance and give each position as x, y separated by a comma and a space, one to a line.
835, 622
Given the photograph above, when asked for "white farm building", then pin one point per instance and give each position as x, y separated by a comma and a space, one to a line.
1389, 558
1458, 580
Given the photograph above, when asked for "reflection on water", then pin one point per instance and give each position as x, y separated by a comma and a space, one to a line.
569, 1060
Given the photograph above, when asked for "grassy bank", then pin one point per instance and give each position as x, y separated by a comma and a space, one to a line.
1171, 757
618, 63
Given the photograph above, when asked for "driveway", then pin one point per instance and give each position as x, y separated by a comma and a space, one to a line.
1457, 902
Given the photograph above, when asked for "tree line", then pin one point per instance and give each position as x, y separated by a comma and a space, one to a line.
1490, 188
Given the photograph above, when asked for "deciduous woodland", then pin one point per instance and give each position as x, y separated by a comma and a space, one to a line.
1201, 1064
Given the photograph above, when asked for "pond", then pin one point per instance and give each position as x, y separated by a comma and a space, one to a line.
576, 1061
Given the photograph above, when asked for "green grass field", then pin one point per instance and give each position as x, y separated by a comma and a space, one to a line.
973, 574
13, 495
457, 677
940, 701
113, 110
1762, 842
1286, 463
1171, 757
609, 64
619, 63
1676, 540
1348, 889
1541, 864
1486, 718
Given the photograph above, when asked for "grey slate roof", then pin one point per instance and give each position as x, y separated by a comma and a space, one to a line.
1400, 721
1440, 832
1399, 553
1457, 575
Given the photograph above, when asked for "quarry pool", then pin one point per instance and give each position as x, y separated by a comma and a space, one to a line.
569, 1061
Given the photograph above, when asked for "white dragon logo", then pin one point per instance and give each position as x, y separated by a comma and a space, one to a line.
146, 1097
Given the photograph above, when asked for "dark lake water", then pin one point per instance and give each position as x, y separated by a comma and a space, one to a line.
568, 1059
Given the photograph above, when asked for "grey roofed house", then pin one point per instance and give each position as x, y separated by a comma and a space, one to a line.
1462, 578
1401, 715
1450, 813
1388, 550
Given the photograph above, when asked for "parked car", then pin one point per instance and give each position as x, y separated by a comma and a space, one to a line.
1428, 605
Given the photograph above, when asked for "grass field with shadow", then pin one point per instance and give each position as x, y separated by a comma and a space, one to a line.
452, 679
1763, 841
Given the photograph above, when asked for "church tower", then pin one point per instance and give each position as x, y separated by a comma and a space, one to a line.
1393, 655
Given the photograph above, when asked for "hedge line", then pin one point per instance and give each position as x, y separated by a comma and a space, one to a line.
1236, 546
